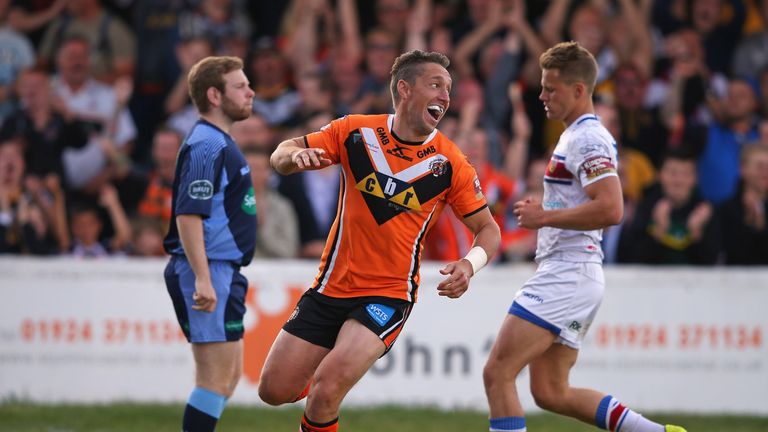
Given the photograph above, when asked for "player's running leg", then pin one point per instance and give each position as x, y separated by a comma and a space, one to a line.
357, 349
288, 370
551, 391
517, 344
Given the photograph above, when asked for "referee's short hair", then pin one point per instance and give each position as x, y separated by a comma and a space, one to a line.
209, 72
408, 66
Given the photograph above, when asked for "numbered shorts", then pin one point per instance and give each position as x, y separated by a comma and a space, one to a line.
318, 318
223, 324
562, 297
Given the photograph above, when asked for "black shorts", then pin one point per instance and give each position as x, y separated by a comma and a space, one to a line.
318, 318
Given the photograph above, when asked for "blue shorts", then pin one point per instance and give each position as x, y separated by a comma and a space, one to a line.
223, 324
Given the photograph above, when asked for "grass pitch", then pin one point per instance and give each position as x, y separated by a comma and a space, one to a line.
22, 417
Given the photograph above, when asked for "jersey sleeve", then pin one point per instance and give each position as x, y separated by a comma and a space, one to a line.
330, 138
465, 195
198, 182
592, 158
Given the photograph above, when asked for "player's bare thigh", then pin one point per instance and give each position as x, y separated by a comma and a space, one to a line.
357, 349
289, 366
218, 365
518, 343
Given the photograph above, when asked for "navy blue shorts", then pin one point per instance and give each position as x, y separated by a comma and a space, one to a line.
318, 318
223, 324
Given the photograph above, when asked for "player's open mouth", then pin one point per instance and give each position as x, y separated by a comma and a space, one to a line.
436, 111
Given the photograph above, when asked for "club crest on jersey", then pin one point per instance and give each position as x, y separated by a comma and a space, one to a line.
556, 171
438, 167
391, 189
200, 190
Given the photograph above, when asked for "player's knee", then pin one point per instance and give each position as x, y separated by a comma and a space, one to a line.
328, 391
489, 374
497, 373
547, 398
272, 393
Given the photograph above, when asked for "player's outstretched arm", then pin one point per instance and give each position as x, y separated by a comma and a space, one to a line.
604, 208
292, 156
487, 239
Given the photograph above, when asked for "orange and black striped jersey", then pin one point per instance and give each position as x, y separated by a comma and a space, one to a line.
391, 194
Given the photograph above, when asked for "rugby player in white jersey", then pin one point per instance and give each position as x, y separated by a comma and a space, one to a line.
552, 312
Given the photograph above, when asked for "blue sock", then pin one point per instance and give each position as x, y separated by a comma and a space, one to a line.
508, 424
203, 410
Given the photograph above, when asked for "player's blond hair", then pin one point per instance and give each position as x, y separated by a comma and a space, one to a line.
408, 66
574, 62
209, 72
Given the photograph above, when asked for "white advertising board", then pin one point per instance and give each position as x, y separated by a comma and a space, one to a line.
670, 339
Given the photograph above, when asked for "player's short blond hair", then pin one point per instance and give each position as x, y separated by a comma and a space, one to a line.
209, 72
574, 62
408, 66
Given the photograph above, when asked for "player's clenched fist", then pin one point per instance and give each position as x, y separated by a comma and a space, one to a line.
204, 296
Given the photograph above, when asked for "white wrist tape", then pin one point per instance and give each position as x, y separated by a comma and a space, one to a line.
477, 257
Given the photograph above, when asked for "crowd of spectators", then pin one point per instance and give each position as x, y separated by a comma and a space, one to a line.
94, 106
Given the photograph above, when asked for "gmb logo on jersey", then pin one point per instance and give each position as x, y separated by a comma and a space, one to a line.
391, 189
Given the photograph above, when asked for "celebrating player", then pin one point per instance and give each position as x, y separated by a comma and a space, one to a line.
398, 173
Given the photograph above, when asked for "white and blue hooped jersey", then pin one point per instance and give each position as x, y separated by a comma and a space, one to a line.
585, 153
213, 180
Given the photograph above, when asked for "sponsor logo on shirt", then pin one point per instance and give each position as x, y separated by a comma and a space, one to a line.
395, 191
551, 205
598, 166
249, 202
478, 189
201, 190
421, 154
399, 151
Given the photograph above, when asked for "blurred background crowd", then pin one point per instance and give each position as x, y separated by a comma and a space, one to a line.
94, 106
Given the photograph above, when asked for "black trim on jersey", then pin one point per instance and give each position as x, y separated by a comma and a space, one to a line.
410, 143
476, 211
426, 188
337, 237
306, 143
415, 257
